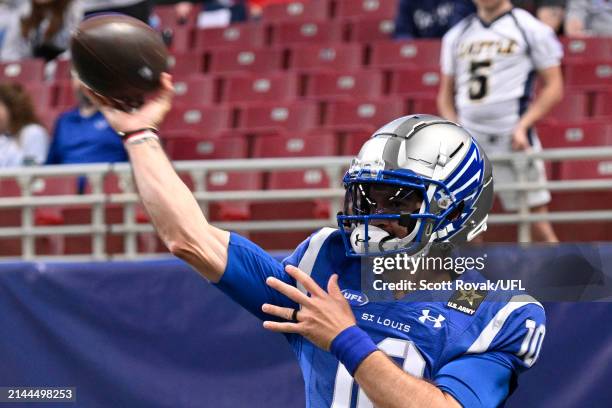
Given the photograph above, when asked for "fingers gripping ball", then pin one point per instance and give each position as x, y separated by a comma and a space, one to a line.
119, 58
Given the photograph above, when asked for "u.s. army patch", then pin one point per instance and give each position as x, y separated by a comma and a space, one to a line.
467, 301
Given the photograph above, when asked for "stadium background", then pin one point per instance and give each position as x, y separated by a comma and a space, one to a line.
310, 78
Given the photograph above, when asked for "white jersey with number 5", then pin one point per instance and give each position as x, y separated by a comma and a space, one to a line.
494, 67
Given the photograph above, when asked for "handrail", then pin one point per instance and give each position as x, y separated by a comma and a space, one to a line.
333, 166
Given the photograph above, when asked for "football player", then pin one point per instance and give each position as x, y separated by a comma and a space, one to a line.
418, 183
489, 62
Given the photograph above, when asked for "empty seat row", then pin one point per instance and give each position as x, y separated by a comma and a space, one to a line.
284, 117
309, 58
318, 10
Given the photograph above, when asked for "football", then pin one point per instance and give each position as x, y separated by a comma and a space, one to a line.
118, 57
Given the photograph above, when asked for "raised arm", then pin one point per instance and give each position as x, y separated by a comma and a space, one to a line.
175, 213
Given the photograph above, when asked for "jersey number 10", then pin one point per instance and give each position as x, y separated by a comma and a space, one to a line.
413, 364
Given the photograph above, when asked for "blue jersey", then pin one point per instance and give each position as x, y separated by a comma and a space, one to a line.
80, 139
473, 354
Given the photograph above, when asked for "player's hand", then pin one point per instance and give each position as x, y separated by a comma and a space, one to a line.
322, 315
151, 114
520, 140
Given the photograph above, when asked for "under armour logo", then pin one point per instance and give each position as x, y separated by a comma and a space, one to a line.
437, 321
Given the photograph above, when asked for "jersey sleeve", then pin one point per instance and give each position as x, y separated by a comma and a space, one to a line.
546, 50
508, 345
248, 267
447, 58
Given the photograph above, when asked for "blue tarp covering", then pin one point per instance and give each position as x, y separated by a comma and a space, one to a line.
155, 334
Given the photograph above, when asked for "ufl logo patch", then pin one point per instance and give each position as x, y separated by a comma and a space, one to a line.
355, 298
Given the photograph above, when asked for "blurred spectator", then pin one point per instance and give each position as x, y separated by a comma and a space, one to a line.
7, 8
488, 64
23, 137
550, 12
40, 29
140, 9
588, 18
429, 19
212, 13
256, 6
82, 135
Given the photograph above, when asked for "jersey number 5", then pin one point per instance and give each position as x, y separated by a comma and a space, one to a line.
479, 78
413, 364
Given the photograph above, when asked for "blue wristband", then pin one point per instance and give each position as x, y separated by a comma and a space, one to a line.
351, 347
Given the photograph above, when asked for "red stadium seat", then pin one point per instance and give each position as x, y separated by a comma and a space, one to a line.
573, 107
296, 11
302, 209
371, 8
367, 30
603, 104
245, 60
279, 146
292, 117
53, 186
42, 95
582, 201
352, 141
406, 54
349, 85
202, 120
311, 32
319, 144
297, 179
586, 169
184, 65
425, 105
48, 118
62, 69
206, 148
194, 91
276, 87
22, 71
339, 57
232, 181
9, 217
596, 76
246, 35
575, 134
417, 83
65, 95
363, 114
587, 49
181, 39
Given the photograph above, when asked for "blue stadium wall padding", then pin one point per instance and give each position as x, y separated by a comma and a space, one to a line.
155, 334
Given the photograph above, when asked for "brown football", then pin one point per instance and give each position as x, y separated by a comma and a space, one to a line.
118, 57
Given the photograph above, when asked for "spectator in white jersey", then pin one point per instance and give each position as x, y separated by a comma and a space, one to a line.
589, 18
23, 141
489, 63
